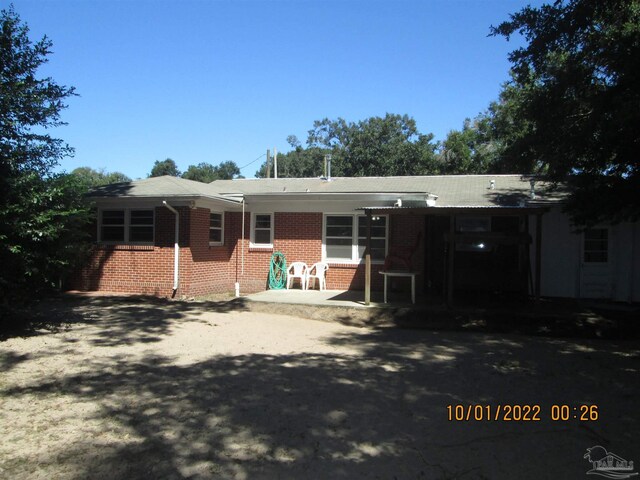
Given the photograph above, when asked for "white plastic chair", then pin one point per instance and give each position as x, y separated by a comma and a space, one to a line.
320, 270
297, 270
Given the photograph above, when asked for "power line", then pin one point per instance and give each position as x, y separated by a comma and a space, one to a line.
254, 161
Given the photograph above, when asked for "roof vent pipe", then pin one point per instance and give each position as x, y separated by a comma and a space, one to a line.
492, 184
532, 192
327, 167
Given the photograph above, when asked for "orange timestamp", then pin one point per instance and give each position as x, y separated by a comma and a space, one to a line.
521, 413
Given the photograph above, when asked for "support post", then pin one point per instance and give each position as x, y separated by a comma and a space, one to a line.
451, 249
527, 254
367, 262
538, 254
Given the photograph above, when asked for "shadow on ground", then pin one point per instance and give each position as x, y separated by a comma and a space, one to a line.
547, 318
128, 320
381, 412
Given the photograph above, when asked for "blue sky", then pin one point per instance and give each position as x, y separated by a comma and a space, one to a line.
210, 81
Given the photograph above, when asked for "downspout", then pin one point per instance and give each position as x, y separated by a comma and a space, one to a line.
241, 255
176, 248
242, 236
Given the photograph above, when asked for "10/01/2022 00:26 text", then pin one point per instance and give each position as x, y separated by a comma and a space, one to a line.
520, 413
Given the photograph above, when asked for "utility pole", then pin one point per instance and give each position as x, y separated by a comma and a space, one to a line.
268, 163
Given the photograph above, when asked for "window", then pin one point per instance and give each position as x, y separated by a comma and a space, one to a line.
339, 237
112, 226
473, 224
345, 238
141, 226
262, 229
378, 237
127, 226
216, 228
596, 245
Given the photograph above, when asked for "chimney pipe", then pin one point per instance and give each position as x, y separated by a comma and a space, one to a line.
327, 167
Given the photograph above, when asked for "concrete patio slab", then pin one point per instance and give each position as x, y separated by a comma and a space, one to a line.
329, 298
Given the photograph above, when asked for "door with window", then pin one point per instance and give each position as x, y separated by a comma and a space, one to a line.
595, 264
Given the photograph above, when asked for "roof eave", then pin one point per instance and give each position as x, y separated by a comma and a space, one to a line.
182, 198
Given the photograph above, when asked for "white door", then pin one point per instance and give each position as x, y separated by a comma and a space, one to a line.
595, 266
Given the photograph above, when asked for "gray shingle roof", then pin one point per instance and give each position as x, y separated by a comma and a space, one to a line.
318, 185
157, 187
451, 190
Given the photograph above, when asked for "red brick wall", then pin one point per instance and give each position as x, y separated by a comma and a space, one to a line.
215, 269
138, 269
212, 267
297, 235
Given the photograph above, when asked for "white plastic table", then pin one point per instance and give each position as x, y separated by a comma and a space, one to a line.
400, 273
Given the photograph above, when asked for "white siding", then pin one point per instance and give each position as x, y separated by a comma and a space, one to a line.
560, 256
562, 266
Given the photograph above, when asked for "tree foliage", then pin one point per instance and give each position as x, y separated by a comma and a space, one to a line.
41, 213
473, 150
203, 172
29, 105
299, 162
207, 173
164, 167
378, 146
94, 178
576, 91
227, 170
47, 219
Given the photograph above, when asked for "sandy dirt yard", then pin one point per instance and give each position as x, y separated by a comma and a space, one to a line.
117, 388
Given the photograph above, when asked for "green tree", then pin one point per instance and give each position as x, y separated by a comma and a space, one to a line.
299, 162
164, 167
207, 173
41, 213
472, 150
203, 172
94, 178
503, 127
576, 89
377, 146
227, 170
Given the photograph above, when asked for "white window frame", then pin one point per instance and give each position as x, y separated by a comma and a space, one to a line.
354, 232
127, 226
221, 228
355, 258
585, 250
253, 243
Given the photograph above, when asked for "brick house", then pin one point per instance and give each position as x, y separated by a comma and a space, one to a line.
169, 236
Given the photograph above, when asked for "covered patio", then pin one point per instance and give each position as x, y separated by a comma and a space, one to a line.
454, 247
